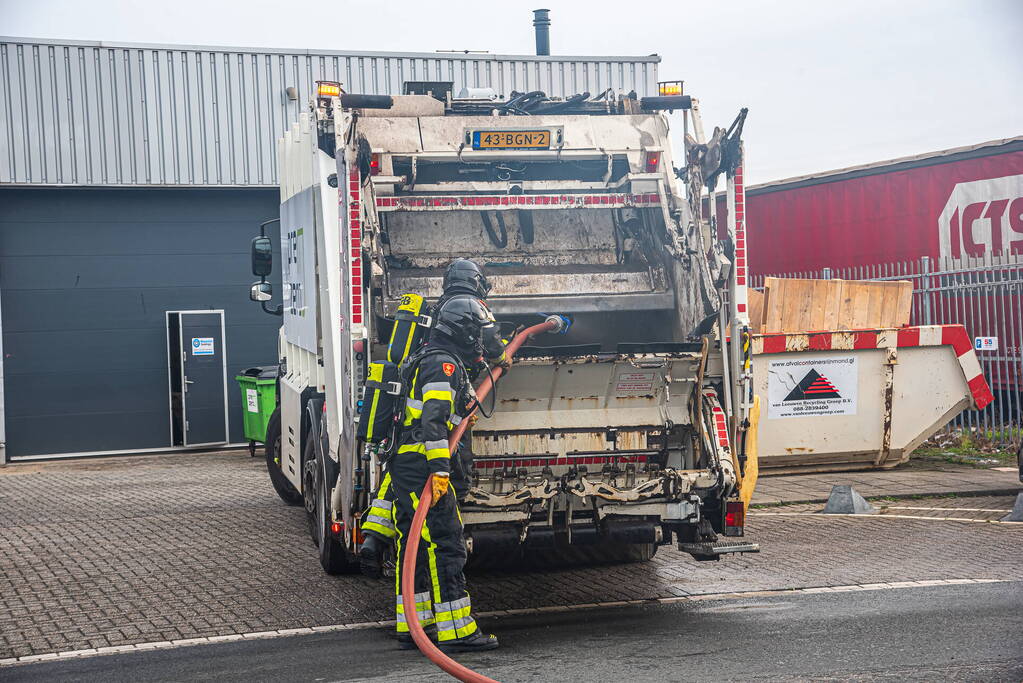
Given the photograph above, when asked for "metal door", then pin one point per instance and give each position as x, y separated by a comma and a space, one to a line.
203, 377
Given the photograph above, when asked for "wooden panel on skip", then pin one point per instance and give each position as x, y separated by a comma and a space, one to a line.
794, 305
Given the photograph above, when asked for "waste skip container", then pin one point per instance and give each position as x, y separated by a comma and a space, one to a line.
259, 399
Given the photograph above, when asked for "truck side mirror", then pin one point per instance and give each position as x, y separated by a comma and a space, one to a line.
262, 257
261, 291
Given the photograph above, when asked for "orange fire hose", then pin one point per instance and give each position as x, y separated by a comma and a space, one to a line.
408, 568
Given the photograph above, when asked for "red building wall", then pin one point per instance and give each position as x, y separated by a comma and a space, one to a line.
945, 206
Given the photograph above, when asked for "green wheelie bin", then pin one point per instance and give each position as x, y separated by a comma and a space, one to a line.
259, 399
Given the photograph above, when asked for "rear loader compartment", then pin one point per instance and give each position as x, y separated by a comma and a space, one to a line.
599, 449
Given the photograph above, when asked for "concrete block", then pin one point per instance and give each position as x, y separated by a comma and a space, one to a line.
844, 500
1017, 510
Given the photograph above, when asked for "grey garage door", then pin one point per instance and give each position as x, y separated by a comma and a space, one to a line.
86, 278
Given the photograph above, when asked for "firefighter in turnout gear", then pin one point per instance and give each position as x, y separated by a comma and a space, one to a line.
439, 397
462, 277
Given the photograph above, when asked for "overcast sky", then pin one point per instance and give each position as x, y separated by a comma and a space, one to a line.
828, 84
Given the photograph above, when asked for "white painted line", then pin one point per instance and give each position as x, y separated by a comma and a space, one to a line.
909, 507
260, 634
210, 640
818, 515
187, 641
294, 631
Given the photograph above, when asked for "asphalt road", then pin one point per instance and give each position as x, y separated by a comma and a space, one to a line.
961, 632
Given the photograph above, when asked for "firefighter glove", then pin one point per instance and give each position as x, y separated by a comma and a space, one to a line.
503, 361
439, 483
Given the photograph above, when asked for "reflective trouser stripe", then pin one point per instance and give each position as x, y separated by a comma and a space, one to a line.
459, 628
380, 517
431, 553
459, 604
379, 525
424, 610
454, 619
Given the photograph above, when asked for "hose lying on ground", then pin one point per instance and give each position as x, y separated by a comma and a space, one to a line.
408, 568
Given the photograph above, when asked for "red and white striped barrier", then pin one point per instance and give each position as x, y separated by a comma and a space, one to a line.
925, 335
522, 201
720, 426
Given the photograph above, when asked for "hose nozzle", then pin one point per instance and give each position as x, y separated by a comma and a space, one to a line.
561, 324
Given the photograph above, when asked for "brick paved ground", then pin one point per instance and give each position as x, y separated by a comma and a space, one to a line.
936, 479
981, 508
98, 553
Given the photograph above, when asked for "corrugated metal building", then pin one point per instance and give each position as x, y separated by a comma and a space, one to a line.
79, 113
132, 178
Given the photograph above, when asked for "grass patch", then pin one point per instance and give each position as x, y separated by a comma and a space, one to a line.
872, 499
972, 447
913, 496
965, 456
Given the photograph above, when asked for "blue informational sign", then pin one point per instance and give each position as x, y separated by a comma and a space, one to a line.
202, 346
985, 343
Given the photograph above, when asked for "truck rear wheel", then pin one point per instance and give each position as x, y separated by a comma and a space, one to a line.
334, 557
272, 445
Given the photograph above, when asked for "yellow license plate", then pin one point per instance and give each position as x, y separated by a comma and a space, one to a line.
511, 139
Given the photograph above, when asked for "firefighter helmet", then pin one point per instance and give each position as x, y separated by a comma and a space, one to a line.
463, 321
465, 277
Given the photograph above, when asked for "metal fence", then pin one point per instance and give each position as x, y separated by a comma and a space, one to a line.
985, 295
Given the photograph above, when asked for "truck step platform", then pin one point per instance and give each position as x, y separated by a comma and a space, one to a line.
715, 549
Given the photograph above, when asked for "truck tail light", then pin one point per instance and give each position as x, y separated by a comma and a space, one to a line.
374, 164
335, 528
735, 518
651, 161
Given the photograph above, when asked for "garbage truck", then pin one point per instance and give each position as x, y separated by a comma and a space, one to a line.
632, 428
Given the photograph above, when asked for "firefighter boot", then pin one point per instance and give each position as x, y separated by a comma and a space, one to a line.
405, 641
371, 556
477, 642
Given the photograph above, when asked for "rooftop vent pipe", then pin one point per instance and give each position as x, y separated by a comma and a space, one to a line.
542, 25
